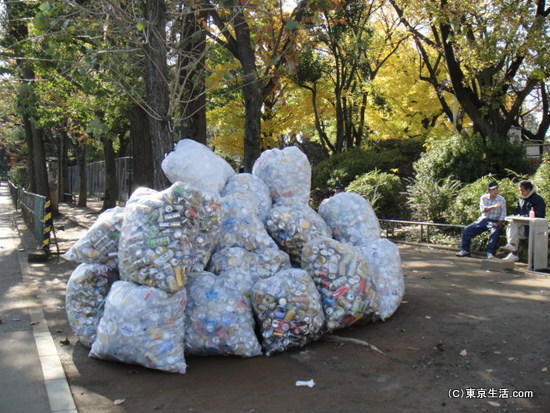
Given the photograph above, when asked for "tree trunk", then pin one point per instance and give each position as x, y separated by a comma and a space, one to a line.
192, 61
251, 92
110, 196
82, 175
156, 83
142, 160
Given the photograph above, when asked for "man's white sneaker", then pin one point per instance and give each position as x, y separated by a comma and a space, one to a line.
511, 257
463, 253
490, 256
509, 248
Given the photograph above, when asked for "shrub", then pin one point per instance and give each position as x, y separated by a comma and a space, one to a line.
380, 188
469, 158
20, 176
430, 199
385, 155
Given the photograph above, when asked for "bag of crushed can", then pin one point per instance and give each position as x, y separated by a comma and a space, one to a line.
241, 226
142, 325
344, 280
196, 164
260, 263
167, 234
385, 261
87, 290
100, 243
291, 226
350, 217
287, 174
288, 309
253, 188
219, 318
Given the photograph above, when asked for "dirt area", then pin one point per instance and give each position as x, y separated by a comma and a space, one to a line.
476, 335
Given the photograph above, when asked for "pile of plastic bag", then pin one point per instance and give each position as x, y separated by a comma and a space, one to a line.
228, 264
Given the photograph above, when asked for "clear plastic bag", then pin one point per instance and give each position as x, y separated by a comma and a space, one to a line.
385, 261
219, 318
143, 325
253, 188
288, 309
344, 280
196, 164
241, 226
287, 174
99, 245
350, 217
87, 290
291, 226
167, 234
260, 263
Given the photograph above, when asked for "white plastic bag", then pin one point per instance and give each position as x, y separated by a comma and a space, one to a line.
142, 325
195, 163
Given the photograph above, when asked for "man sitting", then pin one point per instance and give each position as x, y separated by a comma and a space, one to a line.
529, 201
493, 211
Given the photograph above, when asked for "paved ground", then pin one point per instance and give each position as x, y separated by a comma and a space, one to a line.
464, 340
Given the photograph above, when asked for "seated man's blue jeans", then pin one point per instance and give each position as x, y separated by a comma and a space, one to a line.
478, 228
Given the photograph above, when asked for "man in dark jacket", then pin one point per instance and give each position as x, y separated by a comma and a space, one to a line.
530, 203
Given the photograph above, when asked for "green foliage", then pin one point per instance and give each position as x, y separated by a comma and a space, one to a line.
465, 207
380, 188
386, 156
541, 181
468, 158
20, 176
430, 199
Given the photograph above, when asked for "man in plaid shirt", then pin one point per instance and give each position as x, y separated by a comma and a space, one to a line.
493, 211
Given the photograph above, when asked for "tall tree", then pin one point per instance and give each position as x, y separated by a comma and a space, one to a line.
232, 20
15, 24
496, 52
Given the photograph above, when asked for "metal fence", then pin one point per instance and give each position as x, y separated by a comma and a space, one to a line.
32, 208
425, 228
95, 178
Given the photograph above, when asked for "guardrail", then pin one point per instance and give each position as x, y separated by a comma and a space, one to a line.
33, 209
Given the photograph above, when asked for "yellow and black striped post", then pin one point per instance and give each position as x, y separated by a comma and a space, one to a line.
48, 223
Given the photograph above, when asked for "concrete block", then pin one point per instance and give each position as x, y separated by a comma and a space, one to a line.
497, 265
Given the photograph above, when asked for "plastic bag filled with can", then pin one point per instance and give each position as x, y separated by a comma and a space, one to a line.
385, 261
241, 226
287, 174
143, 325
87, 290
167, 234
195, 163
350, 217
288, 310
253, 188
99, 245
291, 226
219, 319
259, 263
344, 280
